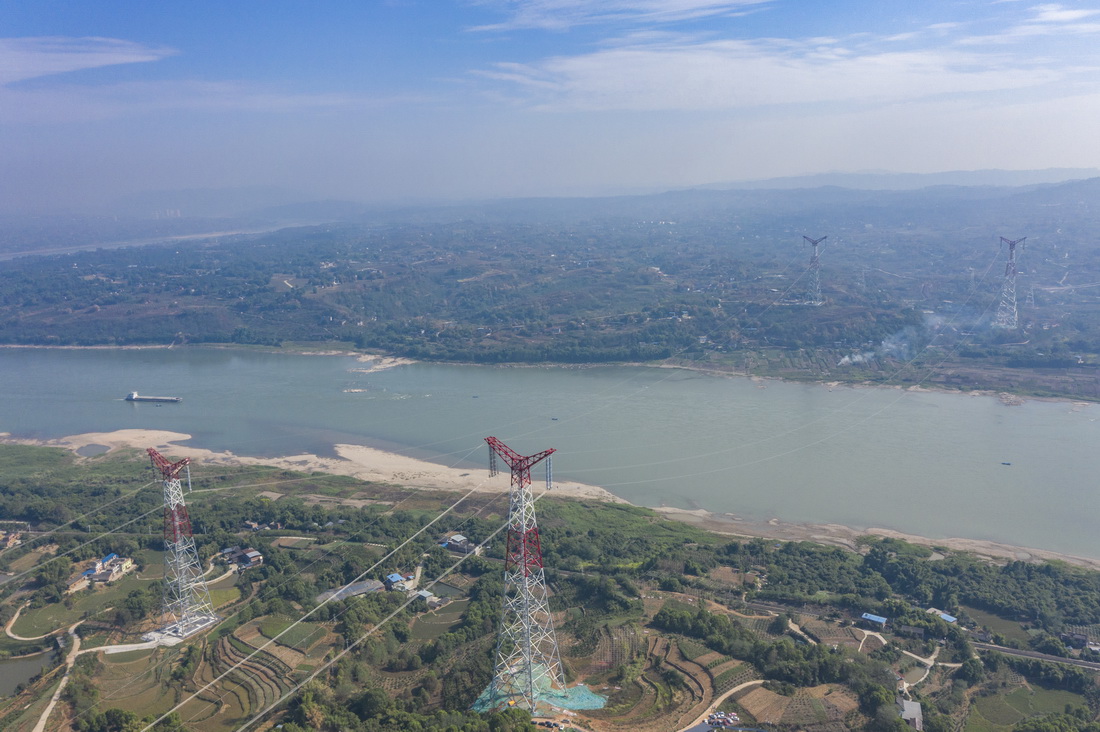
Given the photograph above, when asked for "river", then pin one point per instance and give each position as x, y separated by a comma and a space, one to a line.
929, 463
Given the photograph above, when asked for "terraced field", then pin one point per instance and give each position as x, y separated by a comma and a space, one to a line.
831, 633
669, 692
766, 706
615, 647
137, 681
256, 681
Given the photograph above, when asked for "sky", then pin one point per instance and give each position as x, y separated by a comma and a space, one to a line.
429, 100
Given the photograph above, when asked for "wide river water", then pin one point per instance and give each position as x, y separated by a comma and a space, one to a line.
928, 463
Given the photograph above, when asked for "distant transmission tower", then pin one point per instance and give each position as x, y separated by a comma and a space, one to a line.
186, 599
527, 659
1007, 316
813, 297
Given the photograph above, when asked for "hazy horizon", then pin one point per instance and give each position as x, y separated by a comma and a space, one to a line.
405, 101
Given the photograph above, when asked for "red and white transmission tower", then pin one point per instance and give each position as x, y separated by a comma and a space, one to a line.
1007, 316
186, 598
527, 658
813, 297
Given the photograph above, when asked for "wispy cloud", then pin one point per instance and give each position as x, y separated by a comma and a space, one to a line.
29, 58
728, 74
640, 66
564, 14
1052, 13
1045, 20
78, 103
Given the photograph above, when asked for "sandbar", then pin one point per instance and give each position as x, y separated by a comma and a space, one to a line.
356, 461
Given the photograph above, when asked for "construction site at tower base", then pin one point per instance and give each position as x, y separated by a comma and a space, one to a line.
549, 700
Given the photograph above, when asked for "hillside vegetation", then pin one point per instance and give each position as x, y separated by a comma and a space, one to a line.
910, 280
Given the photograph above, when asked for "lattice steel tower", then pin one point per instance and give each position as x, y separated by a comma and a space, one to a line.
527, 658
186, 598
1007, 316
813, 297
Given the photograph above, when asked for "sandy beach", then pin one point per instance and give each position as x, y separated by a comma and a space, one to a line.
356, 461
370, 464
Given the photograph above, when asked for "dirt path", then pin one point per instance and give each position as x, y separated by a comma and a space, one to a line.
220, 577
12, 635
718, 701
74, 651
868, 633
794, 627
928, 662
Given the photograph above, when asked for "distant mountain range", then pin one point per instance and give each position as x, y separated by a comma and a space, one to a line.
281, 205
1001, 197
883, 180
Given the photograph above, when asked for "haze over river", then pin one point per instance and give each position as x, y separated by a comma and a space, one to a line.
925, 463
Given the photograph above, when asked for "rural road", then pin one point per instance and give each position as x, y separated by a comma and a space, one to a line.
702, 718
11, 634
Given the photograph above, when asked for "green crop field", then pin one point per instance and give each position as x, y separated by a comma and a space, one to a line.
1003, 711
434, 624
38, 621
300, 637
1008, 628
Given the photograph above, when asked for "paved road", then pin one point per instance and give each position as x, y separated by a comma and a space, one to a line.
700, 724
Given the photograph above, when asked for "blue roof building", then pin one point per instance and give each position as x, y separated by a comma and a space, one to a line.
948, 618
109, 557
874, 618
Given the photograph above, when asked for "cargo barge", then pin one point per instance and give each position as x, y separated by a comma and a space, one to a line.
135, 397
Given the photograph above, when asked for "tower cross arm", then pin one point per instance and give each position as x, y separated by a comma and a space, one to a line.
167, 468
513, 458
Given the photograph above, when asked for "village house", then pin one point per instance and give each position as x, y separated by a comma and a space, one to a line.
257, 526
243, 559
111, 567
395, 581
460, 544
108, 569
876, 622
911, 713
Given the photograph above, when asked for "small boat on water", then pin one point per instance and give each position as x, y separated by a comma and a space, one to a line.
135, 397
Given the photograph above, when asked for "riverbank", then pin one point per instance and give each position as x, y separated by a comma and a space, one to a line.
1008, 395
356, 461
374, 465
1008, 398
847, 536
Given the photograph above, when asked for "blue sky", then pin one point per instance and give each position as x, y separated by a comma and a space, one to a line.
459, 99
